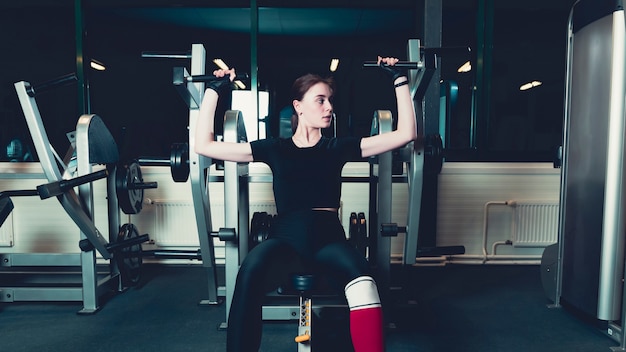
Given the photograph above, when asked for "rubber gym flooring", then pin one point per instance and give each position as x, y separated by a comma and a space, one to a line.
439, 309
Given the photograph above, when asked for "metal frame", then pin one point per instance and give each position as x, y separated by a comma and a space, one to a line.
78, 206
593, 241
192, 93
236, 205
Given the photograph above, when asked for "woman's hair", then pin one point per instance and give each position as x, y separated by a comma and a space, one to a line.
302, 84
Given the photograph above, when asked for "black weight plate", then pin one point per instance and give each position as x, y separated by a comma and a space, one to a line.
179, 162
129, 198
259, 228
129, 259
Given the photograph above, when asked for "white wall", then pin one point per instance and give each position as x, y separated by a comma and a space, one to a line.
42, 226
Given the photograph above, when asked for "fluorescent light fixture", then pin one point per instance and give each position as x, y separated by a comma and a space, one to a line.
221, 64
97, 65
334, 63
466, 67
530, 85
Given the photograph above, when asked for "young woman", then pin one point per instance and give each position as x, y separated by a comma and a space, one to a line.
306, 172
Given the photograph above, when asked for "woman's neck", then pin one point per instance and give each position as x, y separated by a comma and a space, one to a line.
306, 137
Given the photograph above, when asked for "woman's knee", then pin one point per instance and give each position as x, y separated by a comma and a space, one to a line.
342, 262
264, 258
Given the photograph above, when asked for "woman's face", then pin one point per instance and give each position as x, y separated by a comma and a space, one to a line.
315, 109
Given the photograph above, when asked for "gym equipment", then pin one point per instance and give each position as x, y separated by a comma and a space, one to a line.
129, 187
45, 191
303, 283
178, 162
182, 78
236, 205
191, 87
192, 93
357, 232
421, 156
260, 227
92, 145
590, 257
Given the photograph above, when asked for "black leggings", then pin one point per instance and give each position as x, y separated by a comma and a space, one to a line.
317, 238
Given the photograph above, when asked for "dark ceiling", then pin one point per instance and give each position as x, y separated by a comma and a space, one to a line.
280, 17
278, 21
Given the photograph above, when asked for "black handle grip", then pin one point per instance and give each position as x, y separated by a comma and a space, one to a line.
180, 78
166, 55
81, 180
57, 188
210, 78
399, 64
48, 85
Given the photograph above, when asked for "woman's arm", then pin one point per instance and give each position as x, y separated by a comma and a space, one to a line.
406, 130
205, 143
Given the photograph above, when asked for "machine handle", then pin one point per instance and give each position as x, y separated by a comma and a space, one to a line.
164, 55
181, 78
303, 338
33, 90
399, 64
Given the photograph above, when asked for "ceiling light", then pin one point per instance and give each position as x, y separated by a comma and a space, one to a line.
530, 85
466, 67
334, 63
97, 65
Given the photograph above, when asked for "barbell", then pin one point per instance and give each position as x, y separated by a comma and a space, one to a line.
178, 161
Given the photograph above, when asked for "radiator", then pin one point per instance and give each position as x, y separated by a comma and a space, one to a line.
6, 232
535, 223
175, 222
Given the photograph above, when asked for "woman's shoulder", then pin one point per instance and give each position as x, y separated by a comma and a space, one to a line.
272, 142
336, 142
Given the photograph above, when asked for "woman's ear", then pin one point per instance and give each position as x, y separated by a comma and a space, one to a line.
296, 106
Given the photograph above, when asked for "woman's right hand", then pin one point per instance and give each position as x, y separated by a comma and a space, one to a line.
387, 64
221, 83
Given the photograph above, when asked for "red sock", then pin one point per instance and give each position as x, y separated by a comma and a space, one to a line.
366, 315
366, 329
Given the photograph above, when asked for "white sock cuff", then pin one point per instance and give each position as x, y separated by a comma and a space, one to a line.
362, 293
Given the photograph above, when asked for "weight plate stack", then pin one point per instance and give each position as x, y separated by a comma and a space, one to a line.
129, 259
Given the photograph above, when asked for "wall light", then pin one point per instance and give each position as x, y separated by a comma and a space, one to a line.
530, 85
334, 63
97, 65
466, 67
221, 64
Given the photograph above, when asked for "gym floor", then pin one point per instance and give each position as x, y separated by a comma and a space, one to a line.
453, 308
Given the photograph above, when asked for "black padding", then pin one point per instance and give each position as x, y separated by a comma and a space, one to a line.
102, 146
302, 281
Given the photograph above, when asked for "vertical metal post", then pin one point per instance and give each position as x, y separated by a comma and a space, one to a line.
235, 206
83, 86
85, 194
430, 110
416, 166
382, 171
432, 39
198, 175
479, 131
